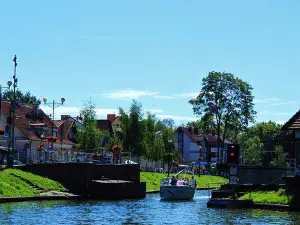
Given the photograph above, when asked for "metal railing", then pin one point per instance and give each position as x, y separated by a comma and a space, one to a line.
290, 168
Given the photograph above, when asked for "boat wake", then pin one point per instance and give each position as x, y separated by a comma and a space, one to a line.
201, 197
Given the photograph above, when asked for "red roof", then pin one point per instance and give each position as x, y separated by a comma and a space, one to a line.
111, 117
64, 126
22, 121
105, 125
211, 139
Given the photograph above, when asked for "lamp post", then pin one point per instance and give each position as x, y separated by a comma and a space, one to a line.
53, 105
169, 155
200, 158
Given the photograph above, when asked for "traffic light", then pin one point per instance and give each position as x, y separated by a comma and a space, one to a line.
233, 153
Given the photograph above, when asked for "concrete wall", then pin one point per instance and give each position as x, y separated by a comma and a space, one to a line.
77, 176
261, 175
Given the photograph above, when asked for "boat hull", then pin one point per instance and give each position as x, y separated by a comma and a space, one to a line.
173, 192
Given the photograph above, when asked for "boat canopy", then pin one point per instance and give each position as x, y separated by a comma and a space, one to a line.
184, 166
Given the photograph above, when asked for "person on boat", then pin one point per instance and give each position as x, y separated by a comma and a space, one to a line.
193, 182
186, 181
173, 180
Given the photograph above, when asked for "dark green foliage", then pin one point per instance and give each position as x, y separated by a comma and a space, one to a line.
226, 100
262, 144
131, 127
145, 136
89, 136
24, 98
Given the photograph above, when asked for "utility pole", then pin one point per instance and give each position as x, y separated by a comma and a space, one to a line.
53, 105
12, 113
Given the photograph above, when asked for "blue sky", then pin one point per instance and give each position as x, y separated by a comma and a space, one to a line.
154, 51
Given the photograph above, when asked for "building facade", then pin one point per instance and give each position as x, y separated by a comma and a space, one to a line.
195, 146
32, 126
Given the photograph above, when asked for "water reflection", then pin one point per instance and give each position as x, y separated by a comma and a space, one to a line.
146, 211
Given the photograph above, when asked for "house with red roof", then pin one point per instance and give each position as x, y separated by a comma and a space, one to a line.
32, 126
67, 128
193, 145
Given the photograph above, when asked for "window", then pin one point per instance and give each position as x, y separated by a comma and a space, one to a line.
297, 134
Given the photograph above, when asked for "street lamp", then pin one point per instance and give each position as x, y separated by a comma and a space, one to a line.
53, 105
200, 157
169, 155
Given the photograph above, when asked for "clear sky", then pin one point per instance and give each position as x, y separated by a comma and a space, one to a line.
154, 51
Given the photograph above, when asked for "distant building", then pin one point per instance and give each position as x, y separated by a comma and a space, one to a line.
105, 125
66, 129
32, 126
194, 145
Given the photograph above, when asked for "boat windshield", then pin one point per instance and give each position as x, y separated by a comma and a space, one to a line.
165, 181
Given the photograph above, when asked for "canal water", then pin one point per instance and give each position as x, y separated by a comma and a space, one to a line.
145, 211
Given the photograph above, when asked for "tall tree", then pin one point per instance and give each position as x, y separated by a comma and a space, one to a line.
169, 123
145, 136
89, 136
132, 128
206, 124
228, 99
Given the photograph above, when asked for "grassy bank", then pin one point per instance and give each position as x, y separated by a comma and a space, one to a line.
153, 180
11, 186
268, 197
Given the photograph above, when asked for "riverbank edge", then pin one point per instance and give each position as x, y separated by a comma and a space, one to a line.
38, 198
61, 197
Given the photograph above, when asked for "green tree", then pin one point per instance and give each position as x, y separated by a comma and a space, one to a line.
269, 141
168, 123
24, 98
228, 99
131, 126
89, 136
146, 137
114, 145
112, 141
206, 124
253, 151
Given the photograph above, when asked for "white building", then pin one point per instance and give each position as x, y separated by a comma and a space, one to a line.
194, 145
32, 125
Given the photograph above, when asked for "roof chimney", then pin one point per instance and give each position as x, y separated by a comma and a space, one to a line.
196, 131
190, 129
111, 117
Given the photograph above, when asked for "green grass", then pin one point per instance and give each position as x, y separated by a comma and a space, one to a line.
268, 197
11, 186
153, 180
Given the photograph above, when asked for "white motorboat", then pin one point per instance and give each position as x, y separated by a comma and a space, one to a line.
180, 191
177, 189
